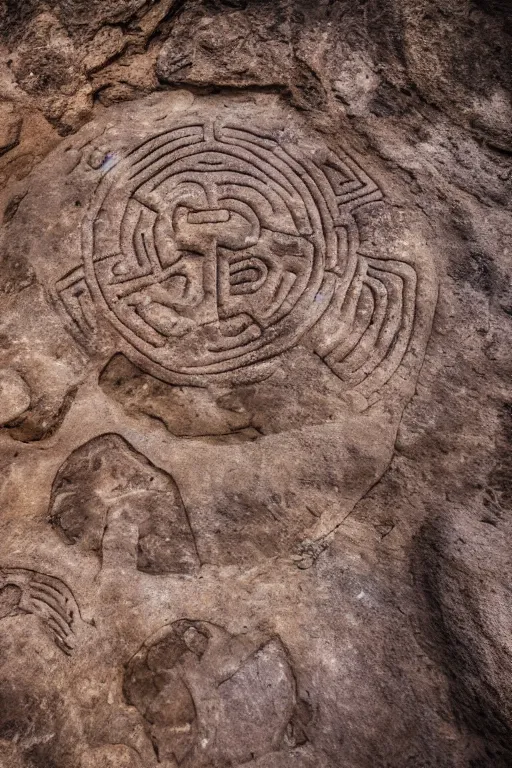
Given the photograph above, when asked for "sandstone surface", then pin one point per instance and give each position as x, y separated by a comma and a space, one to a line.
255, 401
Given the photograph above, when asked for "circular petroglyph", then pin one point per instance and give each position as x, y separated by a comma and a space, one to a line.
212, 248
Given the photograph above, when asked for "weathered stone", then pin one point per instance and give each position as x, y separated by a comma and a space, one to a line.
255, 384
10, 127
14, 396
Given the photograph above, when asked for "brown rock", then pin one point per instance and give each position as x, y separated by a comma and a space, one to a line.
10, 127
255, 384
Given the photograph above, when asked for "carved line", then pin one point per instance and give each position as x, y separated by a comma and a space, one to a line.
361, 186
49, 599
400, 342
294, 177
73, 297
158, 155
142, 147
339, 317
375, 348
315, 203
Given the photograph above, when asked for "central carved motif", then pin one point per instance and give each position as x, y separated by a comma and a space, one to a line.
212, 248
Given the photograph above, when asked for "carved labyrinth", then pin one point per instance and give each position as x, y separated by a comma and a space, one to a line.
212, 247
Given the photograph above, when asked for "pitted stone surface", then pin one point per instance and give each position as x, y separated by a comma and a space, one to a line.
254, 385
229, 283
248, 317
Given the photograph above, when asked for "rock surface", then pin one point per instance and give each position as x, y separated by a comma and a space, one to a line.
255, 405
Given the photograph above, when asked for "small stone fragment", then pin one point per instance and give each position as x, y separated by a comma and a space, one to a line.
108, 43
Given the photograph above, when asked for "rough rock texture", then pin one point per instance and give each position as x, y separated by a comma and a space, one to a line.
255, 405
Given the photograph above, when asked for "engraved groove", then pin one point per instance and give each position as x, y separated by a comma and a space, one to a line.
46, 597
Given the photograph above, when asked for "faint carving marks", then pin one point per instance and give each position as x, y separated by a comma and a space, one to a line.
379, 323
109, 499
74, 299
26, 591
210, 697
